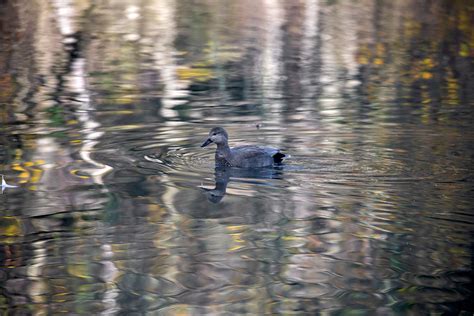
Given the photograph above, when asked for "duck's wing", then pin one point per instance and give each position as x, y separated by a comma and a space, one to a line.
252, 151
256, 156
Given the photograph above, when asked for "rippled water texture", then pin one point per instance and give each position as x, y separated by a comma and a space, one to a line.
118, 211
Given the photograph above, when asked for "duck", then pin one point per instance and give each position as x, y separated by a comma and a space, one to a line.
247, 156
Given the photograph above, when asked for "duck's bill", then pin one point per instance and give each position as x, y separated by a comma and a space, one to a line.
207, 142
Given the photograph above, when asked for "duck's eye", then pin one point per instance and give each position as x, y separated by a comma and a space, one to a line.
214, 134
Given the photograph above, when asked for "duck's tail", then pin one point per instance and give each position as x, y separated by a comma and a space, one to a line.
278, 157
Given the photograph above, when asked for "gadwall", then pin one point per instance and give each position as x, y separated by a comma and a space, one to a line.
248, 156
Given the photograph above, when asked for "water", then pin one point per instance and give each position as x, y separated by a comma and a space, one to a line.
118, 211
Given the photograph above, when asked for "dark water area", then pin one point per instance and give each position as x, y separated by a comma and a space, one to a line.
118, 211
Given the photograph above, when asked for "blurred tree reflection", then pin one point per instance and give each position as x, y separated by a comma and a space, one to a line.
90, 88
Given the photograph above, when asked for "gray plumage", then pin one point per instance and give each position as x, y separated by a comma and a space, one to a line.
247, 156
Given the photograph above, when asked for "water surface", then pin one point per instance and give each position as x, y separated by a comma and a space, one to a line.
104, 105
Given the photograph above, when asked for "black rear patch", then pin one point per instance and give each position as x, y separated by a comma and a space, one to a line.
278, 157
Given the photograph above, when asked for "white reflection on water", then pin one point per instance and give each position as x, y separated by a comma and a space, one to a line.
309, 47
91, 128
331, 230
109, 275
165, 56
64, 16
270, 70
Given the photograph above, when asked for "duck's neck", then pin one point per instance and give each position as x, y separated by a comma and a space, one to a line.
223, 147
221, 185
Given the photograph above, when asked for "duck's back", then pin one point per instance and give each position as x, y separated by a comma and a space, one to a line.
250, 156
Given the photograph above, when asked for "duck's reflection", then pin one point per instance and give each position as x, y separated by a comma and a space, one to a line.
224, 174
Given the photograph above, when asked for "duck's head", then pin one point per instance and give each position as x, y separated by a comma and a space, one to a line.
217, 135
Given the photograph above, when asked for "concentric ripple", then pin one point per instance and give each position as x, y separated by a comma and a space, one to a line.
183, 159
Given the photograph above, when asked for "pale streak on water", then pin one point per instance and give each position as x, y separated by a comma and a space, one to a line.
114, 209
